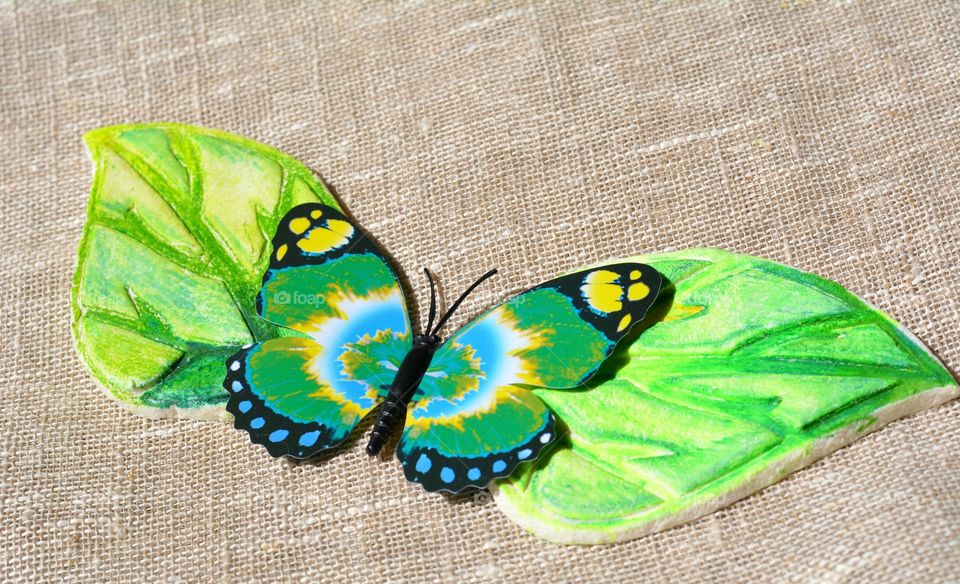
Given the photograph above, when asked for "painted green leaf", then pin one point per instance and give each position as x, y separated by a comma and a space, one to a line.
172, 255
746, 371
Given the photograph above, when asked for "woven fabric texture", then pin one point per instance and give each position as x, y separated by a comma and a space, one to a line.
535, 137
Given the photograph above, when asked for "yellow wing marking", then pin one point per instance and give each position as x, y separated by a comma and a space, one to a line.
299, 225
324, 238
638, 291
602, 292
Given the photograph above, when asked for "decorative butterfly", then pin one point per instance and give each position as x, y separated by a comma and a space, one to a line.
466, 414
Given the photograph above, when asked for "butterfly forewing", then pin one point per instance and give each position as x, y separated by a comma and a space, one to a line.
328, 281
472, 420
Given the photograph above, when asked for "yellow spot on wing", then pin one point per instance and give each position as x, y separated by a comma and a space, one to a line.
624, 323
316, 214
321, 239
638, 291
299, 225
601, 277
281, 251
635, 275
341, 227
601, 291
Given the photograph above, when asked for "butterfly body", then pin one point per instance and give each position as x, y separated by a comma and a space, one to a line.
393, 412
465, 405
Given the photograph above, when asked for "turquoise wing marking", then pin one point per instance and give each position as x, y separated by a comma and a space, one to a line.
472, 421
302, 394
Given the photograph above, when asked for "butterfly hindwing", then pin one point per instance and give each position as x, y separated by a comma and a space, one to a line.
303, 393
472, 420
464, 448
274, 399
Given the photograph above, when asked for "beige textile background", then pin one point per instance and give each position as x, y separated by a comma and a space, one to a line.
535, 137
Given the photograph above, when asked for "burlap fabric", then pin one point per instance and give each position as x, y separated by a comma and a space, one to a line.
532, 137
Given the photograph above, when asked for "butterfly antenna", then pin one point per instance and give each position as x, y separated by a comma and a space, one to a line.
453, 308
433, 300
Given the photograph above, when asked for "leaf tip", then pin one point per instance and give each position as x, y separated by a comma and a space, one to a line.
97, 136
